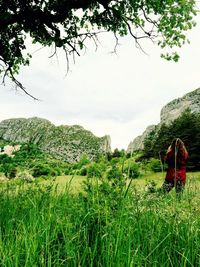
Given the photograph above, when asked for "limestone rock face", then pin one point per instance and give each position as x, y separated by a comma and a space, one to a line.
64, 142
175, 108
138, 142
169, 112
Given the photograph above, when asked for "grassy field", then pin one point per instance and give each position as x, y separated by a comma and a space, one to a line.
74, 183
99, 224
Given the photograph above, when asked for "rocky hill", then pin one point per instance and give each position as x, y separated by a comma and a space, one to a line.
173, 109
137, 143
63, 142
170, 112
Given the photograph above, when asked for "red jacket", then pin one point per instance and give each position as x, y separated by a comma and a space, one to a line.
180, 167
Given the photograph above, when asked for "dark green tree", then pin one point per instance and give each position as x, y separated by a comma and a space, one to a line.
68, 24
116, 153
149, 142
186, 127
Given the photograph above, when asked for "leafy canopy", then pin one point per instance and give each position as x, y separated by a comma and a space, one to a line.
69, 23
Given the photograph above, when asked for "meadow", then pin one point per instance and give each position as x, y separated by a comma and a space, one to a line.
76, 221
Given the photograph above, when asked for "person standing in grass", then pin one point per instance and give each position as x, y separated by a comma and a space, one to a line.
176, 159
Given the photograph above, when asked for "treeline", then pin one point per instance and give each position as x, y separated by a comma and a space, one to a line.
30, 162
186, 127
29, 158
113, 165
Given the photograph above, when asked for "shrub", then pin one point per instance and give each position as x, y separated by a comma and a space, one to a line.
115, 161
94, 170
114, 173
83, 171
155, 165
132, 169
66, 171
42, 170
25, 176
56, 171
12, 172
83, 161
5, 159
9, 170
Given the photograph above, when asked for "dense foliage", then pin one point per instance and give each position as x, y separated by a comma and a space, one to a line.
68, 24
186, 127
30, 158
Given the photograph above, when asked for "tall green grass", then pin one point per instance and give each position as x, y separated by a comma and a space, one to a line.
103, 226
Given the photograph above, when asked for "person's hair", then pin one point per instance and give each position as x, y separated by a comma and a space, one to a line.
177, 146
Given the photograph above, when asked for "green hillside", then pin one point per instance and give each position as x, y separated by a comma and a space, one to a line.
66, 143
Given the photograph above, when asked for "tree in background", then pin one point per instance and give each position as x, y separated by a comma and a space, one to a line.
186, 127
118, 153
68, 24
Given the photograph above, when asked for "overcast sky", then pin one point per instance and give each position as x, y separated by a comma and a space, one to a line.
108, 94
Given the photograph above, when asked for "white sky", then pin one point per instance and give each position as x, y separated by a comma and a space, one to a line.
119, 95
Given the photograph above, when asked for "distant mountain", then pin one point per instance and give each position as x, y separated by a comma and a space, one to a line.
169, 112
176, 107
64, 142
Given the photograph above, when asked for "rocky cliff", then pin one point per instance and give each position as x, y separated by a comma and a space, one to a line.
173, 109
169, 112
63, 142
138, 142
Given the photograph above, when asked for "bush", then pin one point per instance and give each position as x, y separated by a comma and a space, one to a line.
115, 161
83, 171
25, 176
9, 170
43, 170
132, 169
12, 173
83, 161
94, 170
5, 159
114, 173
155, 165
66, 171
56, 171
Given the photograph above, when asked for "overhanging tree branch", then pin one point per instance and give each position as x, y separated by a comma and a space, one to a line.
68, 24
